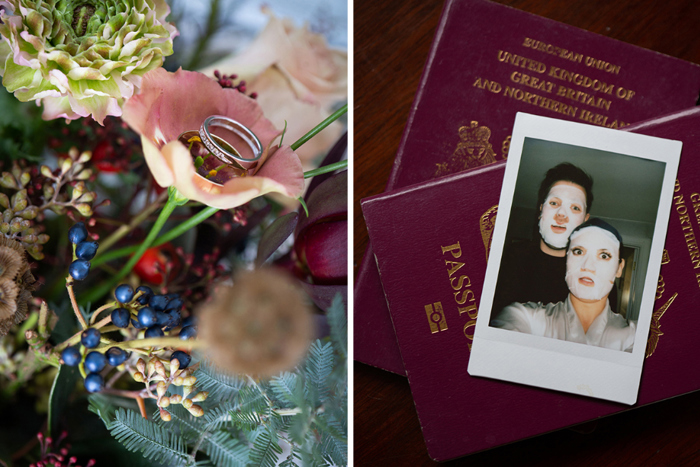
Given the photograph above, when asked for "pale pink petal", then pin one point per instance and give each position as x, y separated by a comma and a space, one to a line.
280, 103
182, 102
283, 167
158, 162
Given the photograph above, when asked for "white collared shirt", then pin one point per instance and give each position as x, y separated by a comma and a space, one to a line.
559, 321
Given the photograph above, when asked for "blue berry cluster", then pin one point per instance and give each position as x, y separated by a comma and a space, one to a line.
93, 362
155, 313
84, 251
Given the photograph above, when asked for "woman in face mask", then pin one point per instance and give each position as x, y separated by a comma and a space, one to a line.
592, 264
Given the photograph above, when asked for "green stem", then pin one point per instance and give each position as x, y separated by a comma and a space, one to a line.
166, 237
118, 234
318, 128
326, 168
98, 292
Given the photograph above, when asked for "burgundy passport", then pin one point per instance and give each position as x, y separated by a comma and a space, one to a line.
414, 232
487, 62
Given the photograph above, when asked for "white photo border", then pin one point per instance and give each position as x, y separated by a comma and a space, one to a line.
552, 363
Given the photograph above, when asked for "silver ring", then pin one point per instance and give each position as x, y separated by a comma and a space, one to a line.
235, 127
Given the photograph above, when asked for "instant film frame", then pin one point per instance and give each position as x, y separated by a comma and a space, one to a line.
632, 173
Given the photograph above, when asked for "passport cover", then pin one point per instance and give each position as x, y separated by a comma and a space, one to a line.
459, 414
487, 62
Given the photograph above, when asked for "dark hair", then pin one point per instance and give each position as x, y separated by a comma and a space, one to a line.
600, 223
566, 172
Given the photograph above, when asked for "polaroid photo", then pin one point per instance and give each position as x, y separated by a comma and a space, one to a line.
575, 257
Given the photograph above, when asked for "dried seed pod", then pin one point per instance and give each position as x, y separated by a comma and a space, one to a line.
175, 399
84, 175
25, 178
174, 366
196, 410
85, 156
164, 415
189, 380
19, 200
160, 369
200, 397
66, 165
46, 171
78, 190
151, 367
84, 209
8, 181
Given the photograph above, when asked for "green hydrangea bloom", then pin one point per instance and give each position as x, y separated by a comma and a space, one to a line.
81, 57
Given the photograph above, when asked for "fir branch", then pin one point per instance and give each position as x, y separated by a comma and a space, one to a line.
265, 450
283, 386
251, 399
189, 427
153, 441
225, 451
319, 365
220, 386
247, 421
216, 417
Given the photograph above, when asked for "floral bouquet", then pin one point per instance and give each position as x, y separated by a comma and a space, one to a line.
173, 244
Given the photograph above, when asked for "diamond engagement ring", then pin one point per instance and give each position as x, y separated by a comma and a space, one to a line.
225, 152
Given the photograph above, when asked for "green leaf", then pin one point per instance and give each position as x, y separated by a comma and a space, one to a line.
338, 321
225, 451
265, 450
219, 385
61, 390
152, 440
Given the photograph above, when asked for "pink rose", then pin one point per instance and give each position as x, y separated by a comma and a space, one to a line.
172, 103
297, 78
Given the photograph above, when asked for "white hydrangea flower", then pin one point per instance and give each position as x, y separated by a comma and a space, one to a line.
81, 57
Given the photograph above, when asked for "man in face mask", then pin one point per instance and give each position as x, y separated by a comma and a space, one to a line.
534, 271
592, 264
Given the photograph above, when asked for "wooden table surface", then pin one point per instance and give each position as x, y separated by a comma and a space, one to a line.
392, 39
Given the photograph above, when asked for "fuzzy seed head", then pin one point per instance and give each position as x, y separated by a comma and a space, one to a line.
262, 325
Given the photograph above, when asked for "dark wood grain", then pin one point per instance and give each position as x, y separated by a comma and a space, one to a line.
392, 40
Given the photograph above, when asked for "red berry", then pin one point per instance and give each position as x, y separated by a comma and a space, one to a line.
156, 261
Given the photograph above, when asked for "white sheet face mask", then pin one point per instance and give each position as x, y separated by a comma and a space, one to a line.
592, 263
563, 210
